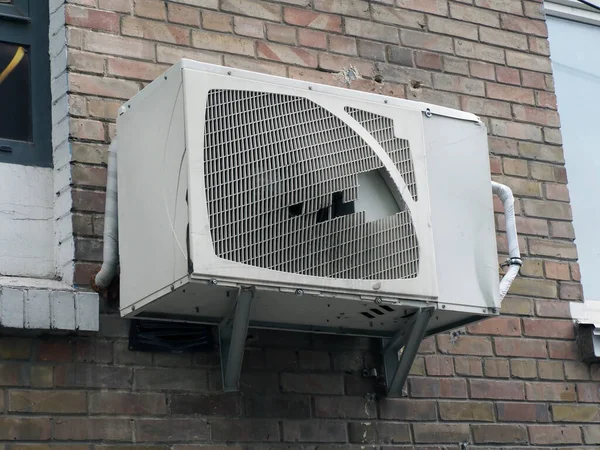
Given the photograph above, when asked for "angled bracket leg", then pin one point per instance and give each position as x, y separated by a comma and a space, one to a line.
406, 342
232, 339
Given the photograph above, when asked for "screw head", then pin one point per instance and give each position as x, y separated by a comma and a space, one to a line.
229, 73
213, 281
299, 292
378, 301
428, 113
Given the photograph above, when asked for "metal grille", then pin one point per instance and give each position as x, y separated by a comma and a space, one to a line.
382, 129
281, 179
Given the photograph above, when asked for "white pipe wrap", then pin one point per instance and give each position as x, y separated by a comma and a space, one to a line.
506, 196
111, 226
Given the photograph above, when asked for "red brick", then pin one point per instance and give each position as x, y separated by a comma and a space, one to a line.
535, 115
523, 368
217, 22
434, 388
155, 31
508, 75
560, 329
138, 70
438, 365
249, 27
575, 272
523, 412
465, 345
378, 433
570, 291
105, 87
342, 407
588, 392
466, 411
87, 129
455, 83
152, 9
314, 39
118, 45
428, 60
285, 54
116, 5
520, 347
439, 7
500, 326
545, 391
311, 19
553, 308
508, 6
370, 30
551, 370
455, 65
93, 350
496, 368
503, 38
523, 25
183, 14
510, 93
502, 146
401, 409
545, 99
57, 350
92, 19
468, 366
539, 45
15, 348
103, 108
168, 54
496, 389
256, 65
441, 432
426, 41
401, 17
528, 61
554, 434
88, 428
534, 80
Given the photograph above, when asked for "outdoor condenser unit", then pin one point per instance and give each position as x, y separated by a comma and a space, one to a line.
252, 200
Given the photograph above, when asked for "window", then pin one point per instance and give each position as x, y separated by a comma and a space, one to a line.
25, 106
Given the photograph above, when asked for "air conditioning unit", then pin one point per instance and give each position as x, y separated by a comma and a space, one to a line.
252, 200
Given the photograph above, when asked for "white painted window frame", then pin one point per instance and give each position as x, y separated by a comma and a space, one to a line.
587, 312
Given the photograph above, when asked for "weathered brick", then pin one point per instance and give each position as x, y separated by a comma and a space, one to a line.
524, 25
451, 27
438, 365
426, 41
15, 348
439, 7
517, 306
546, 391
551, 370
465, 345
244, 430
500, 434
467, 411
60, 402
92, 19
282, 406
342, 44
503, 38
91, 428
314, 431
591, 434
434, 388
369, 30
379, 433
24, 429
222, 42
468, 366
558, 192
401, 17
312, 383
217, 22
170, 55
576, 413
153, 30
107, 87
167, 379
185, 15
395, 54
580, 371
543, 247
454, 65
355, 8
152, 9
560, 329
546, 100
117, 45
246, 26
311, 19
90, 376
314, 360
455, 83
570, 291
587, 392
253, 8
497, 389
496, 368
553, 308
534, 287
528, 61
441, 433
501, 326
508, 75
530, 348
554, 434
523, 412
127, 403
476, 15
575, 271
400, 409
539, 45
170, 429
281, 33
337, 62
285, 54
486, 107
116, 5
87, 129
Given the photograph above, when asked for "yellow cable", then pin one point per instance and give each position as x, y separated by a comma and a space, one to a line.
12, 64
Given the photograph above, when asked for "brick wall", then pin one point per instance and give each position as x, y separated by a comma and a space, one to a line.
509, 382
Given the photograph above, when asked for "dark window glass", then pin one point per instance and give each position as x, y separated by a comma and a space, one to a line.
15, 102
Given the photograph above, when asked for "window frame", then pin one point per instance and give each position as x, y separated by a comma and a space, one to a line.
25, 24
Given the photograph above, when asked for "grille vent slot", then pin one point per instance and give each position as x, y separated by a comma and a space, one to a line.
276, 167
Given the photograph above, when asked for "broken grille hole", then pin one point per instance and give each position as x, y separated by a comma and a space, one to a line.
366, 314
296, 210
339, 208
376, 311
323, 214
386, 307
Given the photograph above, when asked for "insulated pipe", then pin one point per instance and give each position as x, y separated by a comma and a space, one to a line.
111, 225
514, 255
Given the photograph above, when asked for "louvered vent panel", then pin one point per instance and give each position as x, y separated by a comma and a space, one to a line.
281, 179
382, 129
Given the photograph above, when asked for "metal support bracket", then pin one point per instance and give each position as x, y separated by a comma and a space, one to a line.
232, 339
399, 352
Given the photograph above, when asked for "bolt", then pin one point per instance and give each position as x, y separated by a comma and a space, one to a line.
299, 292
428, 113
229, 73
385, 101
378, 301
213, 281
310, 88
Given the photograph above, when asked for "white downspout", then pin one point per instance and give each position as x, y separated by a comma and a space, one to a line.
514, 261
111, 225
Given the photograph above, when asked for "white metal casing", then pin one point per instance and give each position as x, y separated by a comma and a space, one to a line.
168, 272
